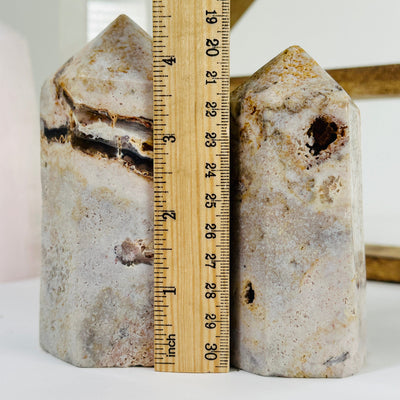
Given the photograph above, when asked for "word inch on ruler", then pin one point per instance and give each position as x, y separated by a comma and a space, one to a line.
191, 185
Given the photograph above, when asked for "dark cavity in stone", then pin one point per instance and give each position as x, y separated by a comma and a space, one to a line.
249, 293
143, 164
324, 133
90, 146
147, 147
56, 133
87, 144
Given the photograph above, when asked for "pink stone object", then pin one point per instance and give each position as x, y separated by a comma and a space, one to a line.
19, 162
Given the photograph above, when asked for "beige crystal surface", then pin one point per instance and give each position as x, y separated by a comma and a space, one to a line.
298, 269
97, 229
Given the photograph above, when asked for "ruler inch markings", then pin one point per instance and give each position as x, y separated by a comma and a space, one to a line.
191, 178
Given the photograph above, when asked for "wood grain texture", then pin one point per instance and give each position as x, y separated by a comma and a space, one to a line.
238, 8
360, 82
191, 185
383, 263
369, 82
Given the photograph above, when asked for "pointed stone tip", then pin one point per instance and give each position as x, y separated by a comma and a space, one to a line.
292, 74
120, 42
293, 67
123, 18
297, 53
119, 24
293, 62
294, 49
117, 61
121, 51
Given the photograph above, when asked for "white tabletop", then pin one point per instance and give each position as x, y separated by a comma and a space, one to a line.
27, 372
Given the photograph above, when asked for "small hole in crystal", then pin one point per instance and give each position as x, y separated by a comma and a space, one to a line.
249, 293
324, 133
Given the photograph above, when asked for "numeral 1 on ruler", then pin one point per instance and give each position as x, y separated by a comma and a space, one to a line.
191, 185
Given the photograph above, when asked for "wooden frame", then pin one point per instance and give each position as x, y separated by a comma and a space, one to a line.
383, 262
238, 8
360, 83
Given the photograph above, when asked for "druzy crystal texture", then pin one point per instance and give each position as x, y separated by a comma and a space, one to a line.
297, 243
97, 188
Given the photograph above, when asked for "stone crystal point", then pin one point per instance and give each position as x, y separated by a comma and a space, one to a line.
97, 228
298, 255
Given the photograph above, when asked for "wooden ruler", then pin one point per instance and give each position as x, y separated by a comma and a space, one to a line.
191, 185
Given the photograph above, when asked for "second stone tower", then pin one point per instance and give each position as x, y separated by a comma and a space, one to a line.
298, 253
